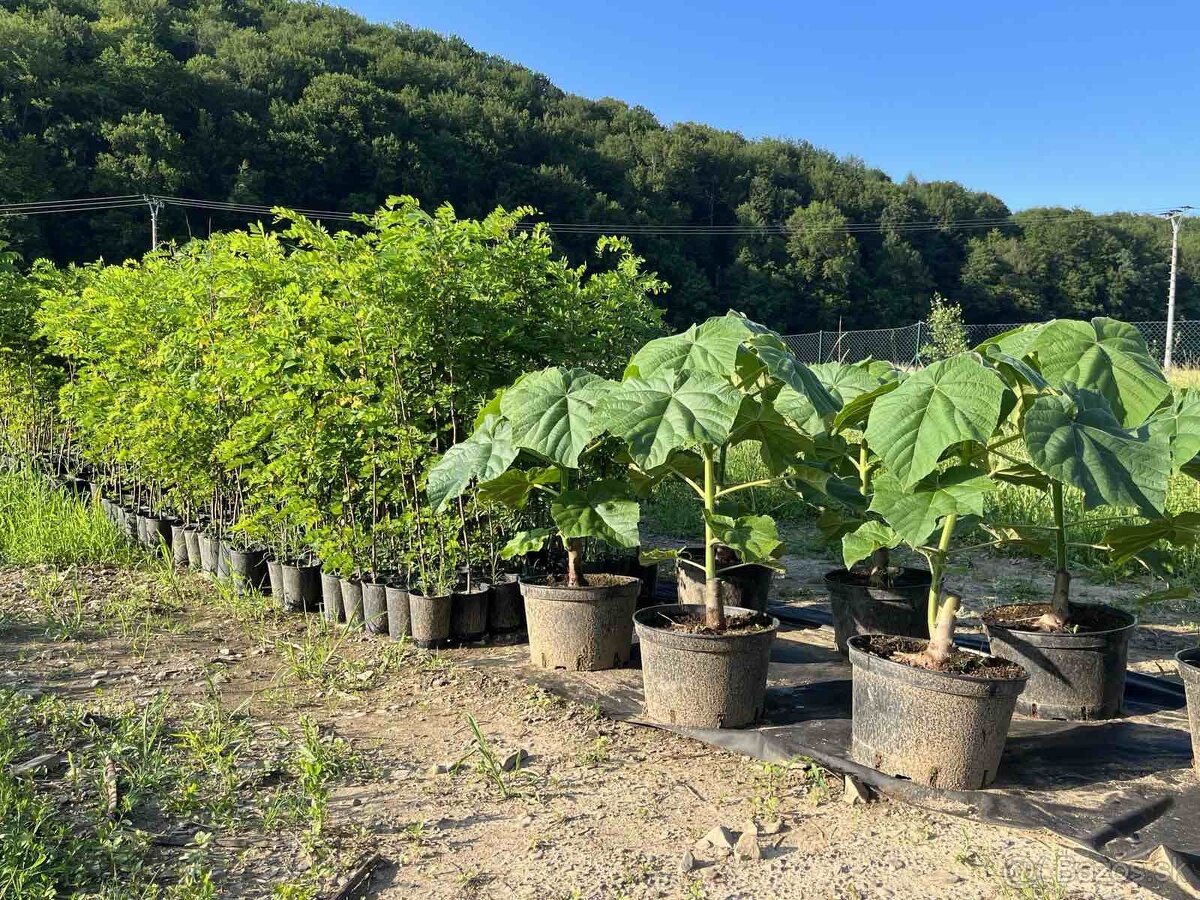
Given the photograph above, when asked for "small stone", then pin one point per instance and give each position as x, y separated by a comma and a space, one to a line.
773, 827
747, 846
719, 837
103, 673
527, 821
438, 769
49, 762
357, 801
855, 792
514, 760
687, 863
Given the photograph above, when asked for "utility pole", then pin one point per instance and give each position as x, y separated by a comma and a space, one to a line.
155, 205
1175, 217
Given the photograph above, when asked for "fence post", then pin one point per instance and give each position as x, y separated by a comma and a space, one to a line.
821, 346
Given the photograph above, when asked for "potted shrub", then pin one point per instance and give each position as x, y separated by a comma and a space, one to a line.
1094, 414
684, 402
924, 709
535, 437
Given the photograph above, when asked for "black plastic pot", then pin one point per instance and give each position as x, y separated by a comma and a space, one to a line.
331, 598
399, 618
191, 539
858, 608
430, 620
469, 613
300, 588
210, 551
179, 550
1188, 662
936, 728
505, 609
580, 628
747, 587
375, 610
247, 569
275, 578
1073, 676
158, 534
703, 680
352, 603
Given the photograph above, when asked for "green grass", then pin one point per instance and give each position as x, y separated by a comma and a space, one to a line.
41, 526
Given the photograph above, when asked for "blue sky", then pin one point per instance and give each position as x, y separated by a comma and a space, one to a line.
1090, 103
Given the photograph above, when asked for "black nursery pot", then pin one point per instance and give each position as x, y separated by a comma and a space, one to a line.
352, 603
129, 524
331, 598
506, 611
469, 613
275, 577
1076, 676
179, 548
747, 586
247, 569
1189, 670
159, 534
859, 608
300, 587
375, 609
938, 729
399, 618
430, 620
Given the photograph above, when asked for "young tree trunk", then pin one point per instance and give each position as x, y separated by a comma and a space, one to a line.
941, 638
575, 562
1060, 599
881, 564
714, 610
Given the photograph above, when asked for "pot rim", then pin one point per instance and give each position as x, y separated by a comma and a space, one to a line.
1134, 621
925, 577
1189, 657
648, 610
540, 581
867, 658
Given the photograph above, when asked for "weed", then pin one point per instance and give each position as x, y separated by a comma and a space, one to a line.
488, 765
596, 753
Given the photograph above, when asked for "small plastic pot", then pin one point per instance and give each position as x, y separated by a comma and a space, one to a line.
223, 550
275, 578
352, 603
179, 550
1077, 676
747, 586
399, 618
430, 620
584, 629
1188, 662
191, 539
142, 535
210, 551
858, 608
375, 610
469, 613
703, 680
247, 569
938, 729
300, 588
331, 598
505, 611
159, 534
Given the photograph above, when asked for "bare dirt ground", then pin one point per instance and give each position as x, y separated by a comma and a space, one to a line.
598, 809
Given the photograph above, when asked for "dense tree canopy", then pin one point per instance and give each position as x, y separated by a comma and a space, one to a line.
278, 102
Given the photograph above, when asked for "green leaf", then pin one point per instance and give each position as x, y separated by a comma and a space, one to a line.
781, 441
524, 542
914, 512
952, 401
1039, 540
840, 384
801, 397
870, 536
485, 455
1180, 422
1178, 592
657, 555
665, 412
512, 489
711, 346
824, 488
551, 412
604, 511
755, 538
854, 414
1076, 439
1105, 356
1127, 541
1022, 475
1016, 342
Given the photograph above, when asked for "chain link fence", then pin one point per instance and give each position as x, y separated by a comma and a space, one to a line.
904, 345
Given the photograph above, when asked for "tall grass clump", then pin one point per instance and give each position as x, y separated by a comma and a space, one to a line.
40, 526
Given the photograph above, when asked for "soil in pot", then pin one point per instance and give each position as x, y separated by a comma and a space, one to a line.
352, 603
300, 586
1189, 670
697, 677
248, 569
331, 598
399, 618
375, 611
583, 628
430, 620
469, 613
898, 606
747, 587
1076, 674
505, 611
944, 729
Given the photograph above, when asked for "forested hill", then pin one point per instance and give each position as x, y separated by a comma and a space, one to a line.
275, 102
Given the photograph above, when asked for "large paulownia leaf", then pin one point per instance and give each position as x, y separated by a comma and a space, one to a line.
1128, 541
868, 537
1105, 356
950, 402
512, 489
526, 542
551, 412
603, 511
857, 410
1180, 422
669, 411
824, 488
1016, 342
755, 538
841, 383
801, 396
1076, 439
485, 455
780, 441
711, 346
915, 512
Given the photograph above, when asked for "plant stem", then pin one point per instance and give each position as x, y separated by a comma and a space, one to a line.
937, 567
714, 611
1060, 599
